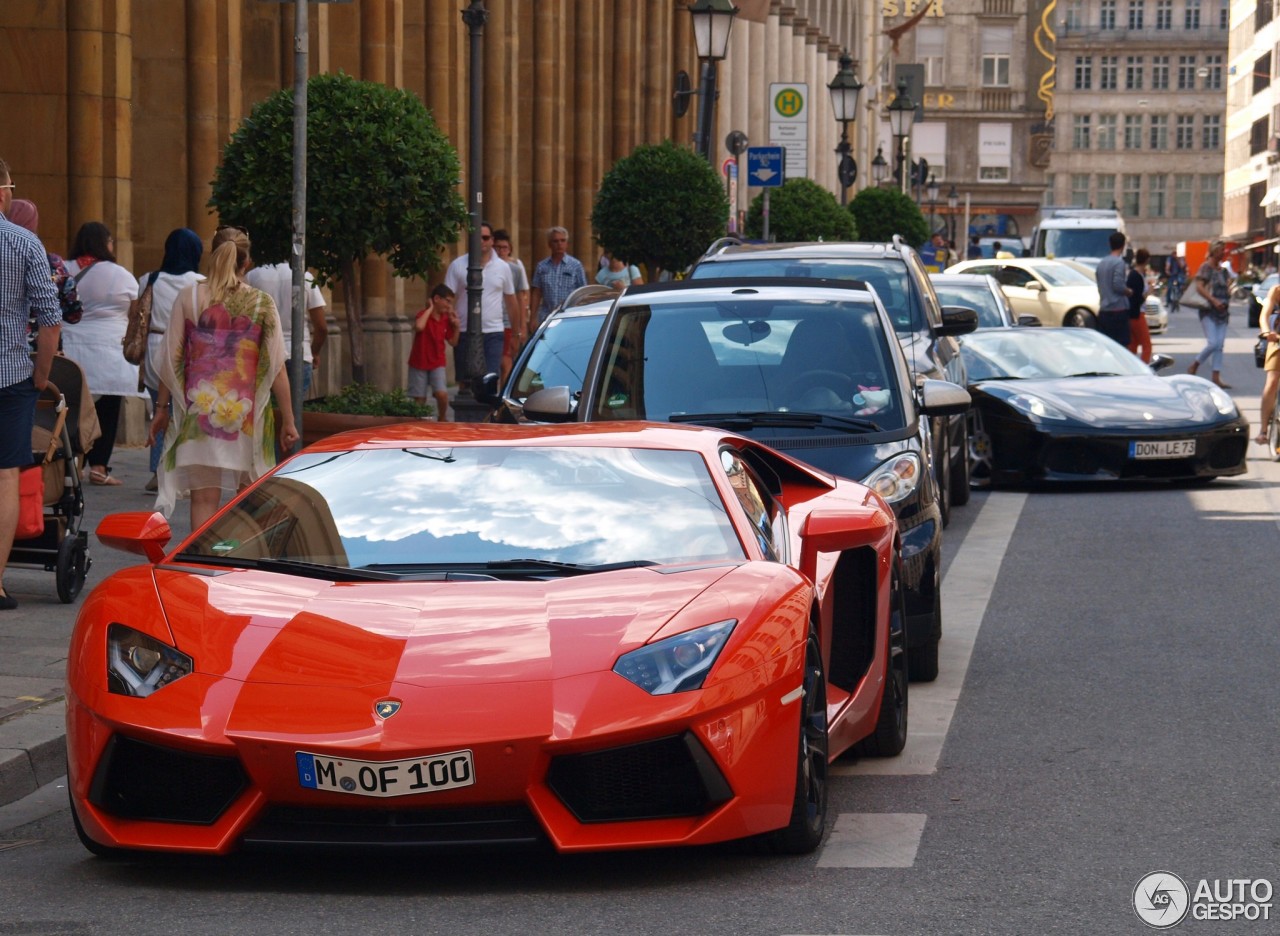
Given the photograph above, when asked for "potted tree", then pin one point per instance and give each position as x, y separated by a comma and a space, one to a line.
359, 406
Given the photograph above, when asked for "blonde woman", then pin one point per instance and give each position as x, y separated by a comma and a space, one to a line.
223, 360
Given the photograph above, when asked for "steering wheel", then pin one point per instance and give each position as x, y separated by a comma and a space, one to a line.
821, 388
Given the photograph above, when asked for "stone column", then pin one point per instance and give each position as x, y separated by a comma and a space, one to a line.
591, 92
86, 111
549, 120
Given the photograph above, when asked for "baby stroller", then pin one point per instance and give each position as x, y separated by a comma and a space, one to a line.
65, 426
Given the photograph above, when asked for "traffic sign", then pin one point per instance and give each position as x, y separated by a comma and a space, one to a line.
727, 166
765, 166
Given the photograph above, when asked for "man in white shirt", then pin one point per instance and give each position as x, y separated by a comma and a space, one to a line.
276, 280
499, 293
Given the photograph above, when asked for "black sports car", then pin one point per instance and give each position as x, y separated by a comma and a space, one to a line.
1069, 404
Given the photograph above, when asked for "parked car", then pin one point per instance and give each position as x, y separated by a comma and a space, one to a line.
1052, 291
981, 293
927, 330
598, 636
1073, 405
809, 367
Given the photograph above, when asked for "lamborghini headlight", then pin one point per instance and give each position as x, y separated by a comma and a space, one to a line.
1035, 407
677, 664
138, 664
895, 479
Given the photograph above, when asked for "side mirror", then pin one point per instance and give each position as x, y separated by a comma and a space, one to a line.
958, 320
1034, 286
141, 532
1160, 361
1029, 321
551, 404
943, 398
487, 390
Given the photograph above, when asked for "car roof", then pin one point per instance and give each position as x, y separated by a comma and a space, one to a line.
735, 285
817, 250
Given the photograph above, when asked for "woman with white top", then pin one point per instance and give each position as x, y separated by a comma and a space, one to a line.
95, 342
182, 252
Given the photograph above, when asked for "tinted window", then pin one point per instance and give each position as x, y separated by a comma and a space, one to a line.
559, 356
761, 509
1091, 242
978, 297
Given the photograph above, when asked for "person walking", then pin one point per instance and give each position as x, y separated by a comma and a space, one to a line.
433, 328
1270, 330
616, 274
1176, 283
1113, 293
1136, 281
106, 289
497, 303
554, 277
25, 214
974, 250
502, 247
25, 285
276, 280
223, 361
1213, 284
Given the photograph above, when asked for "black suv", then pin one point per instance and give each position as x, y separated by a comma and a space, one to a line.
808, 367
926, 329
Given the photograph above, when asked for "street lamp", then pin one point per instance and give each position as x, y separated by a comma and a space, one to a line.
932, 190
475, 16
953, 202
879, 166
902, 112
845, 88
712, 22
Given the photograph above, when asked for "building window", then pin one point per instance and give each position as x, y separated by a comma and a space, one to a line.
1183, 191
1191, 15
1106, 190
995, 152
1075, 15
1080, 190
1108, 72
1084, 72
1262, 73
1213, 80
930, 49
1262, 14
1212, 131
1159, 131
1186, 72
1132, 195
1137, 9
1164, 14
1224, 14
1133, 73
1106, 131
1160, 73
997, 48
1210, 196
1080, 126
1258, 134
1157, 194
1184, 137
1107, 14
1133, 131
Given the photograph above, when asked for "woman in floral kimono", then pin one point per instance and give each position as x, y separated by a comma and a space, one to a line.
223, 359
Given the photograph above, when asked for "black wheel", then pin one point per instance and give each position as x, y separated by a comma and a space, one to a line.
97, 848
1079, 318
71, 569
922, 660
960, 469
809, 808
890, 735
981, 465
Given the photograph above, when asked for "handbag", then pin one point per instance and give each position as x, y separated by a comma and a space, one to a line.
135, 333
1260, 352
30, 503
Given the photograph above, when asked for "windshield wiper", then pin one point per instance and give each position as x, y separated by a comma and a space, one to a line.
1096, 373
781, 418
568, 568
318, 570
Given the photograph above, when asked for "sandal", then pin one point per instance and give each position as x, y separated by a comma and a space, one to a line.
102, 476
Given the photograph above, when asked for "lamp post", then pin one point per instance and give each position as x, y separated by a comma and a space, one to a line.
902, 112
845, 88
712, 22
475, 16
953, 202
932, 189
879, 167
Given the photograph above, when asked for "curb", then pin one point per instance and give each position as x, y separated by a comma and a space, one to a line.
33, 750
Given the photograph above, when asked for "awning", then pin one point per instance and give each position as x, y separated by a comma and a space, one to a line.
1271, 198
1258, 244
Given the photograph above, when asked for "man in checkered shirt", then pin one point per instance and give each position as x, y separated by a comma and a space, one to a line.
553, 278
25, 286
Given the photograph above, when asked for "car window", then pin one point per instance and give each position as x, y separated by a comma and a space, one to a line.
1013, 276
559, 356
1059, 274
1033, 353
761, 509
759, 354
977, 297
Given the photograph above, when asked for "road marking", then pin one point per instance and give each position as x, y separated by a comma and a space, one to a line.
966, 589
873, 840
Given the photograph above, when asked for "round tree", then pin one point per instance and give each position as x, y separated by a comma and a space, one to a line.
382, 179
660, 206
801, 210
881, 213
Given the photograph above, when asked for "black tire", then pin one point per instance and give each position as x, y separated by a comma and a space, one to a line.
1079, 318
809, 807
890, 735
97, 848
960, 469
71, 568
922, 660
981, 463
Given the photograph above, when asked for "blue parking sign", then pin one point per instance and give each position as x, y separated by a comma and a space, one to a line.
765, 166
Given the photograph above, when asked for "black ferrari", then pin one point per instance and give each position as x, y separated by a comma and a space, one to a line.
1070, 404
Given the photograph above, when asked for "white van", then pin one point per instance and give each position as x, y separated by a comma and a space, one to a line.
1070, 233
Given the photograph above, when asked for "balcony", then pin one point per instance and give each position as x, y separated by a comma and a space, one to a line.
997, 99
1079, 37
997, 7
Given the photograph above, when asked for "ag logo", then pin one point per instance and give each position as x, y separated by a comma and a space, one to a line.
386, 708
788, 102
1161, 899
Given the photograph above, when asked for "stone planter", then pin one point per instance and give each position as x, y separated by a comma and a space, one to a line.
316, 426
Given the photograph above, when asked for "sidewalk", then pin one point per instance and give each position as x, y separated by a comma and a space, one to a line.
34, 637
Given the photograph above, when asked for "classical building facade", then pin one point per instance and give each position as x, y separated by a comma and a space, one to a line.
1140, 104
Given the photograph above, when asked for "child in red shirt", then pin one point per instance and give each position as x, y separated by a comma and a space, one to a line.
433, 327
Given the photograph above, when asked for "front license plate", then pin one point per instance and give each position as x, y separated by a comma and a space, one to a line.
1176, 448
428, 774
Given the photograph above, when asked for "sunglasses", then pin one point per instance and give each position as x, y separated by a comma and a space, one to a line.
8, 186
486, 237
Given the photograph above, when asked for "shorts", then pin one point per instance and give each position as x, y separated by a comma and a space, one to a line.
1272, 361
17, 416
420, 381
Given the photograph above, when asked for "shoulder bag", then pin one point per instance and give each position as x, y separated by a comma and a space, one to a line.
135, 334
